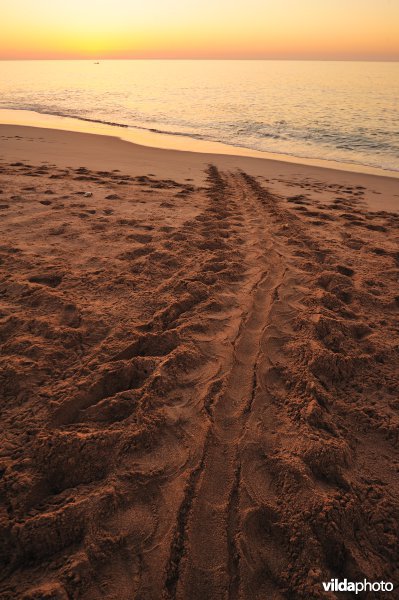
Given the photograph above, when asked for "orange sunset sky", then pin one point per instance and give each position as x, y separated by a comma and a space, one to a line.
320, 29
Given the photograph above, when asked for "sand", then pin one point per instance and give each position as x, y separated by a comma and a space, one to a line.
199, 373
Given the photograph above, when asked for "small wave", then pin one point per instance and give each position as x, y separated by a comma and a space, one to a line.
242, 143
195, 136
112, 123
56, 113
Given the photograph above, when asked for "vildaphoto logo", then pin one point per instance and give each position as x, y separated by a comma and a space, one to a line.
334, 585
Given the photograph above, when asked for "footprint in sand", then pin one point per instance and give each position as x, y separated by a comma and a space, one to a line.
70, 316
58, 230
143, 238
376, 227
51, 280
345, 270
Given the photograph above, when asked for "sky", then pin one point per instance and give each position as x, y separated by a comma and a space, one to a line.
272, 29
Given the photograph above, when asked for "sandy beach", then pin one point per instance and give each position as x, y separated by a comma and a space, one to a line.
199, 373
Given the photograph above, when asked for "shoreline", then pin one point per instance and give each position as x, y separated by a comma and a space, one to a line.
172, 141
95, 150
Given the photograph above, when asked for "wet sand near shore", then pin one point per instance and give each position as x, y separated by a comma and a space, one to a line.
199, 374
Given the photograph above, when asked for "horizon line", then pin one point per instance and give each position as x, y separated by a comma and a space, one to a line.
98, 58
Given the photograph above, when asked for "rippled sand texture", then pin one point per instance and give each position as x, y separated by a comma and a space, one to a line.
199, 387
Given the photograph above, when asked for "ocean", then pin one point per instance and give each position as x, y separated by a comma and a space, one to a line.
345, 112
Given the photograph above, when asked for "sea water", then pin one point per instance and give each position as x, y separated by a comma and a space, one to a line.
337, 111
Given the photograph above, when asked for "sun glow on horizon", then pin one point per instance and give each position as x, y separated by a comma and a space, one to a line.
332, 29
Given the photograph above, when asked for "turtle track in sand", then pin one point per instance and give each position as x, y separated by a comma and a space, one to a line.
209, 414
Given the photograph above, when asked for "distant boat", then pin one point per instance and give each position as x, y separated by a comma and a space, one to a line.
96, 63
